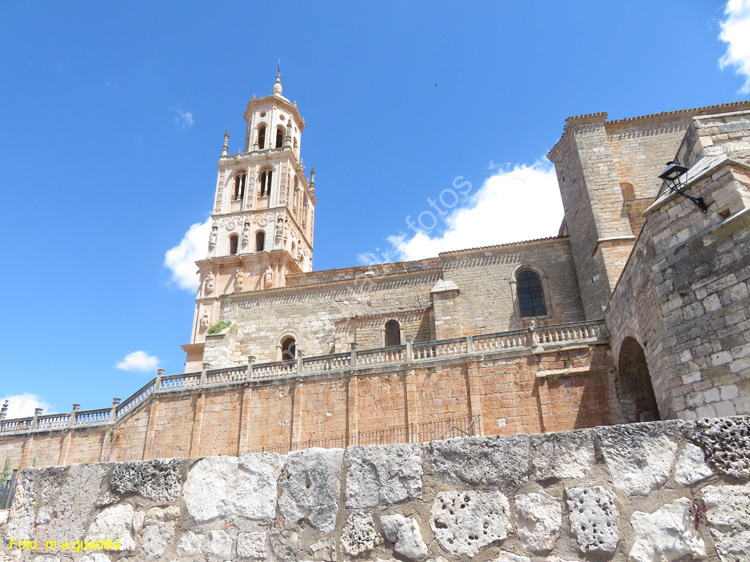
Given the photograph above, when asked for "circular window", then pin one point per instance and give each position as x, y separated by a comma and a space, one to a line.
263, 114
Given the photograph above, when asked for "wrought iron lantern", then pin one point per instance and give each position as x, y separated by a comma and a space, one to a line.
671, 176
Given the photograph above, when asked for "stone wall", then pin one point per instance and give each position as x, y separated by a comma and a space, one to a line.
327, 311
563, 387
644, 492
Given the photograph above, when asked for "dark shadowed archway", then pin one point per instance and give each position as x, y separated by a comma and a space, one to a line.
634, 387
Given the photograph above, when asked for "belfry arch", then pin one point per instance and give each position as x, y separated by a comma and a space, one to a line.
633, 383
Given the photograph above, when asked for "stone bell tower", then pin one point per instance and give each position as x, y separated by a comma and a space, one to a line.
263, 215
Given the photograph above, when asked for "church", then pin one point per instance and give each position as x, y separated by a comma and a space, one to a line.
638, 310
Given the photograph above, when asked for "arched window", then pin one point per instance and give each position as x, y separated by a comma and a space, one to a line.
260, 241
288, 349
239, 186
261, 136
279, 137
392, 333
233, 243
265, 183
530, 294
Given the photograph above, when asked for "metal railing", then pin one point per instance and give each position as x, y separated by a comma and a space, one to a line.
411, 433
534, 339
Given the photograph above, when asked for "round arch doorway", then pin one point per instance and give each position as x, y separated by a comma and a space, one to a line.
633, 383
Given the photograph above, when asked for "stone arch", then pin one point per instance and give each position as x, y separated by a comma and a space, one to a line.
288, 347
544, 282
633, 383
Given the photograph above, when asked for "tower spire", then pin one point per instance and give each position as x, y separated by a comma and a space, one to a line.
277, 85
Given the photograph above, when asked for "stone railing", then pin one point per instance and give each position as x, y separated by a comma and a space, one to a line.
535, 339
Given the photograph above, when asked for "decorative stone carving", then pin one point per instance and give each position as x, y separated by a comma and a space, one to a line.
246, 233
268, 277
279, 229
209, 283
205, 320
466, 522
238, 280
212, 238
593, 518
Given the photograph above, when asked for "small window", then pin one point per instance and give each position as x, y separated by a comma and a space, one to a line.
279, 137
530, 294
233, 243
260, 241
392, 333
239, 186
261, 136
288, 349
265, 183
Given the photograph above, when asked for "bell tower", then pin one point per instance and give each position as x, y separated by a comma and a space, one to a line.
263, 215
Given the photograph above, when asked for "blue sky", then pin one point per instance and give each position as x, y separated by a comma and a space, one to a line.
112, 117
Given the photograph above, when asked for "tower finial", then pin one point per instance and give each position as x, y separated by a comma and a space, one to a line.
226, 143
312, 179
277, 85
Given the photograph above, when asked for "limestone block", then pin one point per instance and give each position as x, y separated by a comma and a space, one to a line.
510, 557
667, 534
220, 544
466, 522
251, 546
4, 516
221, 486
311, 484
157, 479
726, 442
192, 543
359, 534
539, 521
21, 514
405, 534
158, 530
324, 549
640, 456
556, 559
284, 545
728, 516
115, 523
691, 466
593, 518
568, 454
497, 461
382, 475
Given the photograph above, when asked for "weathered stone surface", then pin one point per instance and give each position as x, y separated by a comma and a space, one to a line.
158, 530
691, 466
64, 498
382, 475
405, 534
4, 516
568, 454
251, 546
359, 534
311, 484
539, 520
510, 557
728, 516
95, 557
666, 534
726, 442
157, 479
593, 518
493, 462
324, 549
115, 523
192, 543
466, 522
220, 544
221, 486
556, 559
284, 544
640, 456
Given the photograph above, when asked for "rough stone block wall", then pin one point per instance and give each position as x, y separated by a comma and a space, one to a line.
645, 492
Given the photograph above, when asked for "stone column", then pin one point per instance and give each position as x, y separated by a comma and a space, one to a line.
35, 419
113, 411
250, 361
159, 375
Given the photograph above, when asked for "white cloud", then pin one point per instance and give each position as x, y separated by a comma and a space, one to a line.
735, 31
181, 259
519, 202
23, 405
183, 118
138, 361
